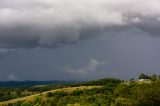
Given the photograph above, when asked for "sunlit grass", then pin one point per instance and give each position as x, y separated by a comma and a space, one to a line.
43, 95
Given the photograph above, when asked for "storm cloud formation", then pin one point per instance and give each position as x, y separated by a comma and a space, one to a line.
109, 38
47, 23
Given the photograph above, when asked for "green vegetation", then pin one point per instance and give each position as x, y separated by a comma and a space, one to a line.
44, 95
8, 93
103, 92
153, 77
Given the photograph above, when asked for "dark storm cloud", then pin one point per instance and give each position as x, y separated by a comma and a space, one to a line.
47, 23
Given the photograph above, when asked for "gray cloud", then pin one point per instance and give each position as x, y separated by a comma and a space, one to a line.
47, 23
91, 67
13, 77
4, 52
129, 52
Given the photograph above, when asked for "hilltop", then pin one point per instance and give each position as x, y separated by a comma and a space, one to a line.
44, 94
103, 92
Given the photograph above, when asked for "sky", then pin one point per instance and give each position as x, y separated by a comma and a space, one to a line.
78, 39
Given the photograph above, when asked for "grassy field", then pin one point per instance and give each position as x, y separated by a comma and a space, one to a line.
43, 95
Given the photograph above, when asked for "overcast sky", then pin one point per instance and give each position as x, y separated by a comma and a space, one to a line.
78, 39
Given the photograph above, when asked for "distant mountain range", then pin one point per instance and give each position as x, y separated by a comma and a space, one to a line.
30, 83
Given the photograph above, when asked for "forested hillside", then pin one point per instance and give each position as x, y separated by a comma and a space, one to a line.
103, 92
